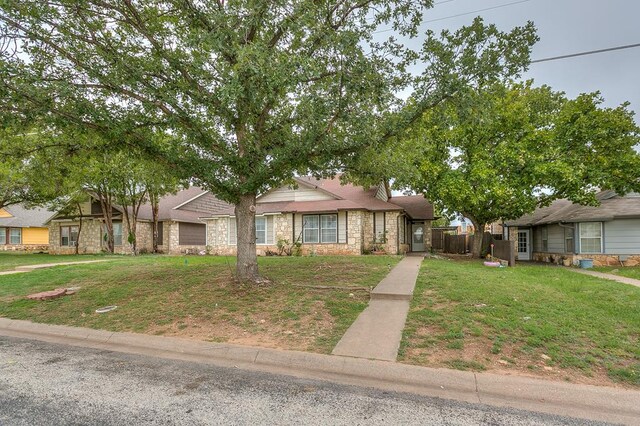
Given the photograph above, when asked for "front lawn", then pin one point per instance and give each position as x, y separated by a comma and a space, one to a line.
10, 260
531, 319
195, 296
624, 271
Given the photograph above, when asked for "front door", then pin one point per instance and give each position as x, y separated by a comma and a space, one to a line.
524, 244
417, 239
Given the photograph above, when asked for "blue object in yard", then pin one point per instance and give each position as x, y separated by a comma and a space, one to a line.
586, 263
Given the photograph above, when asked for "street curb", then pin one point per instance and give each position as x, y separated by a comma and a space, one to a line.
566, 399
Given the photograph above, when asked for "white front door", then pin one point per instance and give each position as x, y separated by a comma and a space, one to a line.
524, 244
417, 237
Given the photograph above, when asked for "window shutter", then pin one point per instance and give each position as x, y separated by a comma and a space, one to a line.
233, 236
379, 219
342, 227
298, 232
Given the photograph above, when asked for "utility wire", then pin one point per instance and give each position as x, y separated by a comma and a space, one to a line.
590, 52
461, 14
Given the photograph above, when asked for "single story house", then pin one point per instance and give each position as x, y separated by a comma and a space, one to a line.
24, 228
327, 217
179, 228
564, 232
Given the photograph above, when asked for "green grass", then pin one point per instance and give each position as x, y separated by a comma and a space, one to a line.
625, 271
540, 318
196, 296
10, 260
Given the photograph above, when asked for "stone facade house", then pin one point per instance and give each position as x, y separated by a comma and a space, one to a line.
329, 218
24, 229
565, 232
180, 229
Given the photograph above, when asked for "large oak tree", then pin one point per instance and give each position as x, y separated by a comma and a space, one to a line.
500, 151
247, 92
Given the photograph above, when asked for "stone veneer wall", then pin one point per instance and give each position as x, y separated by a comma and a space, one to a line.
90, 241
568, 259
24, 247
217, 238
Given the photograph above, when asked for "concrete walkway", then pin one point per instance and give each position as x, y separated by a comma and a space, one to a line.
612, 277
377, 331
567, 399
29, 268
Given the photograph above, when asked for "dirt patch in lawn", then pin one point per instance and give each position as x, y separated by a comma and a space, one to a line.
476, 355
257, 329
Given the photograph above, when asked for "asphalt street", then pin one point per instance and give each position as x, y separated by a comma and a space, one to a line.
50, 384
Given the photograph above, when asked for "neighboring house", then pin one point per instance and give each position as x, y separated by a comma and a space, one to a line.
329, 218
179, 229
564, 232
24, 229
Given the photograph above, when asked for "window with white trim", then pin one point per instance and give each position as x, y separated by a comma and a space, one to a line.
569, 246
545, 238
3, 236
261, 230
15, 236
591, 237
320, 228
68, 236
117, 233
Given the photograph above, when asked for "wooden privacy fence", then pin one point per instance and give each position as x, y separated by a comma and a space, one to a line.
456, 244
437, 239
505, 250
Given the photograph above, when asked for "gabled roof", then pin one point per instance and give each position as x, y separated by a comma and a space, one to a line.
612, 206
22, 217
347, 197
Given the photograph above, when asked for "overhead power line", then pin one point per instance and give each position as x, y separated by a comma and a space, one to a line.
462, 14
589, 52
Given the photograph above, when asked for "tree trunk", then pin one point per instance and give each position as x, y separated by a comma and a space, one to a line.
476, 250
106, 206
153, 199
247, 260
77, 250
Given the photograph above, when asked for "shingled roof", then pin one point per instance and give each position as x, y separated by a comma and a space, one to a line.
346, 197
23, 217
612, 206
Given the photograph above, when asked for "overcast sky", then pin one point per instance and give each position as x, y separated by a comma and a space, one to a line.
566, 27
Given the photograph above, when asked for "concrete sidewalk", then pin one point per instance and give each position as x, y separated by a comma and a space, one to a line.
580, 401
377, 331
612, 277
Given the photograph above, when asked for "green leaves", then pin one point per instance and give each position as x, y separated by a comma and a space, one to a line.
499, 151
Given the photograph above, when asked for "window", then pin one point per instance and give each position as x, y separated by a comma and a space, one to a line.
545, 238
311, 225
591, 237
68, 236
117, 233
569, 246
263, 234
379, 225
320, 228
3, 235
15, 236
261, 230
232, 231
329, 228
